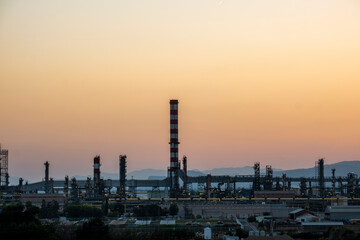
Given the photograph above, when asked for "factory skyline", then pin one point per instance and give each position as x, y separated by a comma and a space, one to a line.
173, 168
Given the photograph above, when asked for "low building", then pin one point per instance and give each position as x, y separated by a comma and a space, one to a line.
319, 226
342, 213
228, 209
302, 215
36, 199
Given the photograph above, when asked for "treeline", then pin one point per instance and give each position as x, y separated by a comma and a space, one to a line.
22, 222
18, 222
176, 234
82, 211
154, 210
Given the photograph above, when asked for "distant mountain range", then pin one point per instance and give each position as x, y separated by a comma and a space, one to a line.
342, 169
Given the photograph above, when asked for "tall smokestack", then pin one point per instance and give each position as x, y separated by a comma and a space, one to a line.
174, 141
122, 163
96, 175
47, 185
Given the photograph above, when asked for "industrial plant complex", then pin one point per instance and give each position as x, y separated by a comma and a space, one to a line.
281, 203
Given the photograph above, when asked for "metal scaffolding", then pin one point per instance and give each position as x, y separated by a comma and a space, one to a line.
256, 183
4, 174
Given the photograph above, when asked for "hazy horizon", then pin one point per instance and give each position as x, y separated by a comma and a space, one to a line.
60, 176
275, 82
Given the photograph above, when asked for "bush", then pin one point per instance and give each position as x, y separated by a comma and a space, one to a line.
93, 229
251, 219
342, 233
151, 210
49, 210
81, 211
241, 233
173, 209
117, 208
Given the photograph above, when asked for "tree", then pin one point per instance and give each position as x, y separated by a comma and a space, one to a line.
151, 210
80, 211
117, 208
17, 223
251, 219
173, 209
74, 191
93, 229
342, 233
49, 210
241, 233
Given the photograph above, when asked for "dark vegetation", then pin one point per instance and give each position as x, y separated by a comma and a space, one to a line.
82, 211
49, 210
177, 234
95, 229
116, 209
151, 210
16, 222
338, 233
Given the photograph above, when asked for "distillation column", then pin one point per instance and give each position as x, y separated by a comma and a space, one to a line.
185, 174
321, 177
97, 187
47, 183
256, 183
122, 163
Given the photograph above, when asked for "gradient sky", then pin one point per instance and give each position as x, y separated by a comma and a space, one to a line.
257, 80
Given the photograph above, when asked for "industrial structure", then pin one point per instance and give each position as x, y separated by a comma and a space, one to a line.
4, 174
174, 149
122, 176
179, 185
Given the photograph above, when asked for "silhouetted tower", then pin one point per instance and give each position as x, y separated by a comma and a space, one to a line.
88, 188
51, 190
357, 188
333, 181
289, 183
341, 186
174, 147
97, 187
20, 184
66, 189
277, 187
310, 188
256, 183
351, 184
47, 182
4, 162
7, 180
321, 177
122, 162
284, 181
74, 190
185, 173
208, 185
303, 186
269, 178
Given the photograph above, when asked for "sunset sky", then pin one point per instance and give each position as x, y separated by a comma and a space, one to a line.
274, 81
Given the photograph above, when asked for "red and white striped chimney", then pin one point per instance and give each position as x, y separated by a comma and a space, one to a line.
174, 141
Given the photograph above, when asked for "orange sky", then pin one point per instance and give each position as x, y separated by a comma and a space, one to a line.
271, 81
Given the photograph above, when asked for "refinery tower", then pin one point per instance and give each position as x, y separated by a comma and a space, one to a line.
174, 147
